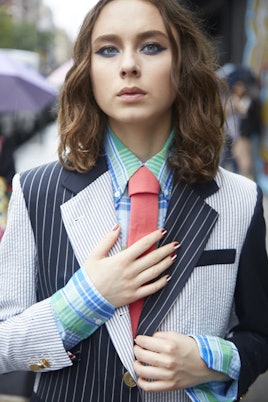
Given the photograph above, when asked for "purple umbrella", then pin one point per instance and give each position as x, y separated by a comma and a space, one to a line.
22, 88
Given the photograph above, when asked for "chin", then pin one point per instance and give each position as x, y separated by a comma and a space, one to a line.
133, 118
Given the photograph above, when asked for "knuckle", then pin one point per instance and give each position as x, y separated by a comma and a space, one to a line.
157, 286
146, 385
170, 364
154, 272
171, 349
155, 259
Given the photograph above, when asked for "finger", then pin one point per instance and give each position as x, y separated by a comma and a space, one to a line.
151, 274
151, 288
159, 259
144, 244
151, 343
154, 358
164, 335
145, 370
106, 243
151, 385
147, 357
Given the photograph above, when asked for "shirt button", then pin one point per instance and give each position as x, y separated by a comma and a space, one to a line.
128, 380
98, 321
117, 194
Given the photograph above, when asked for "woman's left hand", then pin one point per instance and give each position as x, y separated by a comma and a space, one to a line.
168, 361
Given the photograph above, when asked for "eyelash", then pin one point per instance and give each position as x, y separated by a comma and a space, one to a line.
103, 51
157, 48
111, 51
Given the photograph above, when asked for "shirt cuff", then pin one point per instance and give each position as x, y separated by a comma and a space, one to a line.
79, 309
220, 355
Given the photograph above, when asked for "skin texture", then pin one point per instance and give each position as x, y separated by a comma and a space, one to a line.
131, 65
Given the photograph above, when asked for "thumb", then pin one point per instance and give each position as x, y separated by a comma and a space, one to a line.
106, 243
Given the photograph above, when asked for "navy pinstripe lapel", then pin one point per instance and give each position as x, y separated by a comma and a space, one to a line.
189, 221
76, 182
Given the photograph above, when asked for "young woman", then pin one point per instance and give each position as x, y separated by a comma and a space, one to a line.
142, 92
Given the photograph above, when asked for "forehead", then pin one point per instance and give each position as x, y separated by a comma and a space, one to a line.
125, 17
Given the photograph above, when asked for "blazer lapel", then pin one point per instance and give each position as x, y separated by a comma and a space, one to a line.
87, 217
189, 221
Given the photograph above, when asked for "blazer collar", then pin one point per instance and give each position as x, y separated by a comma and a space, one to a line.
76, 182
205, 190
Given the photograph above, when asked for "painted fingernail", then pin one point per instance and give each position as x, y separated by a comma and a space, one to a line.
115, 227
176, 245
164, 231
168, 278
173, 257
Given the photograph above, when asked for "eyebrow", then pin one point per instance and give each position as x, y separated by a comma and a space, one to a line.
142, 36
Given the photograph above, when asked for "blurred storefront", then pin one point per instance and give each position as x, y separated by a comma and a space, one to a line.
239, 30
224, 21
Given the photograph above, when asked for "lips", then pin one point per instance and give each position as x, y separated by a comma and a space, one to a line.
131, 91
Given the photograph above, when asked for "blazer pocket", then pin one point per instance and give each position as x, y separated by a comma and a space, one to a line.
215, 257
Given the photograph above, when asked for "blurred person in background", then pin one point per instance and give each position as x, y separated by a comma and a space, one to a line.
250, 131
243, 125
142, 92
237, 148
247, 108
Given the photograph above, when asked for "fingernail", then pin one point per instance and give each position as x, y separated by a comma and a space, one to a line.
115, 227
176, 245
164, 231
168, 278
173, 257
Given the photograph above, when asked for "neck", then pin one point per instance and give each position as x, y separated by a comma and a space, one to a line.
144, 142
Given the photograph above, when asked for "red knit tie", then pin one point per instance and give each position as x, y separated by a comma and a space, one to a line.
143, 189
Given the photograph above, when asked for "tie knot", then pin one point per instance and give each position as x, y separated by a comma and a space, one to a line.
143, 181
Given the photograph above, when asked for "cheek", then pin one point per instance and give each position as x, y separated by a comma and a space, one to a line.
98, 85
165, 85
99, 95
161, 74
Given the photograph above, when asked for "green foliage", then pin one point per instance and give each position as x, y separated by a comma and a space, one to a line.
23, 35
6, 29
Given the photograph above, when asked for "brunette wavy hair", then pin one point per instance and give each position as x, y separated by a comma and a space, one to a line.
198, 114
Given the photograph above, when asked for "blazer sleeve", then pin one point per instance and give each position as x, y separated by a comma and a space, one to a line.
28, 331
251, 302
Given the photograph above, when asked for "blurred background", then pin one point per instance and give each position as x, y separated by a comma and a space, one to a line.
36, 40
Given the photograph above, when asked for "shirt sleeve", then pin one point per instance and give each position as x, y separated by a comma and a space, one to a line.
220, 355
79, 309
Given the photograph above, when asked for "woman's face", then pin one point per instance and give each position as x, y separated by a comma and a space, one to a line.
131, 64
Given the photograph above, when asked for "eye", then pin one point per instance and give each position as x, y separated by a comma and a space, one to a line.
107, 51
152, 48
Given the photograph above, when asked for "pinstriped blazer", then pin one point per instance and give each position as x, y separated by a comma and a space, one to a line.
218, 286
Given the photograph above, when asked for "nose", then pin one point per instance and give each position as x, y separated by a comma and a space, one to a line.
129, 66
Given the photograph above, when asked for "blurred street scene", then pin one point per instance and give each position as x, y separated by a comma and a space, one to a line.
37, 53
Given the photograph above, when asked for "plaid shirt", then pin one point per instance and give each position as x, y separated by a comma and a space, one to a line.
122, 165
80, 310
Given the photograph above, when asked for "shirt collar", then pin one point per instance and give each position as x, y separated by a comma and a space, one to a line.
123, 164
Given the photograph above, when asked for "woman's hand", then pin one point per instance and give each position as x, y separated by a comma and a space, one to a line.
167, 361
127, 276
